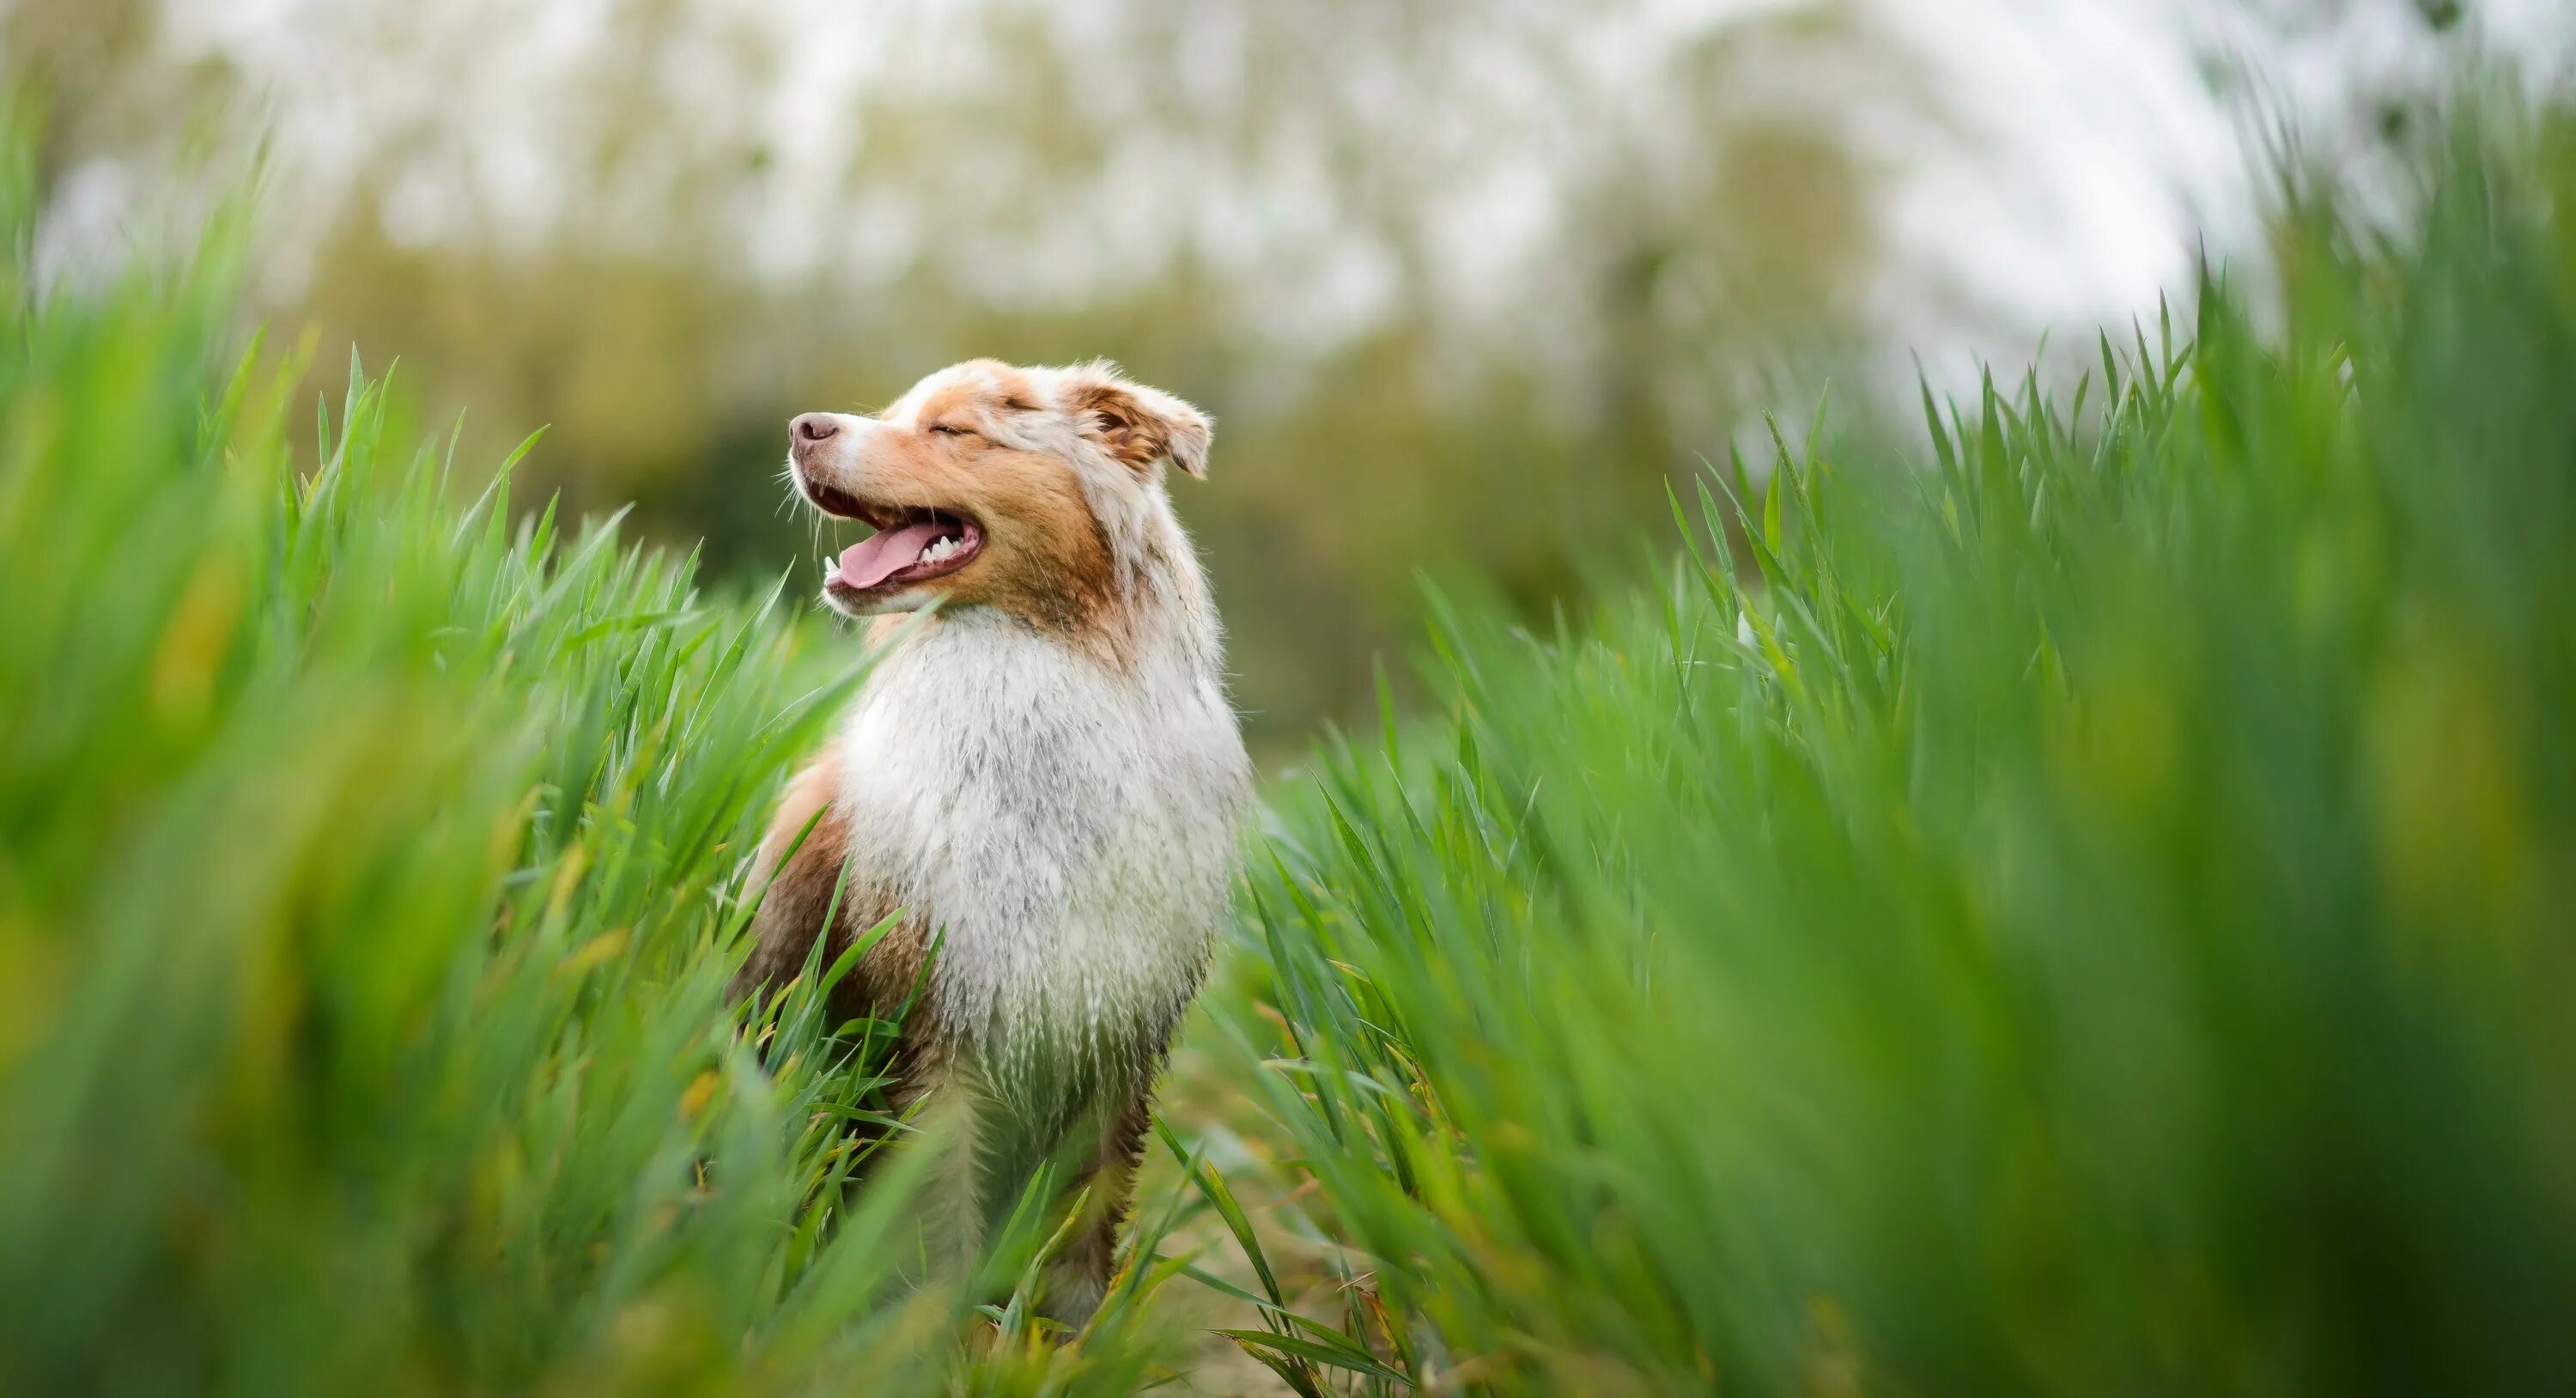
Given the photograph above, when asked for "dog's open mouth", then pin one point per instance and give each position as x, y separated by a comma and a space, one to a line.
910, 545
924, 544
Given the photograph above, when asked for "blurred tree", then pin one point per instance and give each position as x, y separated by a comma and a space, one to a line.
1463, 282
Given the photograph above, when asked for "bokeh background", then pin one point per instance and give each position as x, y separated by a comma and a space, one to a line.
1464, 284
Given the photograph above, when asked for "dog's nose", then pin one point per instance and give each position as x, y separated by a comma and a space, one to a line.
812, 427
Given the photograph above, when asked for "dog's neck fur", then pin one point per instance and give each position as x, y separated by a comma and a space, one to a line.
1061, 813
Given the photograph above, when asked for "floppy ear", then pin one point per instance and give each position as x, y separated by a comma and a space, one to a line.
1140, 425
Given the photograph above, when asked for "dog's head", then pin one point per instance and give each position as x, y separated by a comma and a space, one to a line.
1033, 490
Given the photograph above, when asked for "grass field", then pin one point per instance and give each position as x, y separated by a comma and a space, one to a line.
2081, 908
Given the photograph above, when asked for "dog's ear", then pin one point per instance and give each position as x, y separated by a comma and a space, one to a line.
1140, 426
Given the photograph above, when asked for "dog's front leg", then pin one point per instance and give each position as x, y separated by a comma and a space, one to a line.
793, 874
1077, 1278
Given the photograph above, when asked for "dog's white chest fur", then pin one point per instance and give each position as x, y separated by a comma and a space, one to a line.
1066, 829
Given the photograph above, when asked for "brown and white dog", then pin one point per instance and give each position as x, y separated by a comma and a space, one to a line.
1044, 777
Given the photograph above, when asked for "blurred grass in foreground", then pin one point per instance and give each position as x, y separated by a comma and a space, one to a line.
366, 873
2094, 918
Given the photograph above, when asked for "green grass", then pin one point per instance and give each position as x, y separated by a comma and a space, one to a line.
2080, 908
2103, 928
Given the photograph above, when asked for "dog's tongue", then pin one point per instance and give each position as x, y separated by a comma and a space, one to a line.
881, 555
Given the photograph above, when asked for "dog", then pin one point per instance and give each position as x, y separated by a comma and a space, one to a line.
1043, 777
